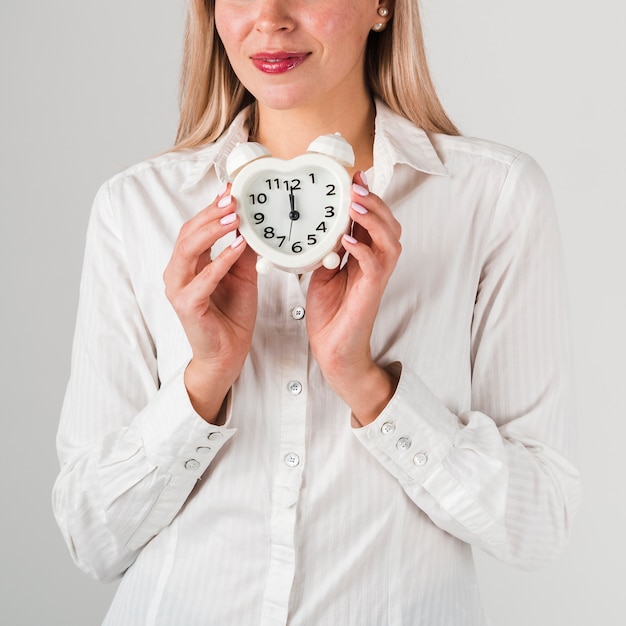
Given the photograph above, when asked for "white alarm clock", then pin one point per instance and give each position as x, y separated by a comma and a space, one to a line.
293, 213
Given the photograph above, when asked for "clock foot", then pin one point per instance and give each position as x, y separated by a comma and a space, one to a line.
331, 261
263, 266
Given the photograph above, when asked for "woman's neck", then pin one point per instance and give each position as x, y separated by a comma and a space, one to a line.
288, 133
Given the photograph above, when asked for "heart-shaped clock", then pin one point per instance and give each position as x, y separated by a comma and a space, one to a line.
293, 213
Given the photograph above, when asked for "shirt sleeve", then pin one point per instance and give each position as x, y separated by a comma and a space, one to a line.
499, 476
131, 448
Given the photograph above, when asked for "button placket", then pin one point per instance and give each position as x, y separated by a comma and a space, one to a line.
291, 451
293, 423
295, 352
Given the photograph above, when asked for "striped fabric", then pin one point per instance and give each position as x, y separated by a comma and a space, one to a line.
286, 514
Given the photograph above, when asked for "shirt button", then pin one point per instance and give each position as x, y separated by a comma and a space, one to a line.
192, 464
420, 459
292, 459
203, 450
297, 312
294, 387
215, 436
404, 443
388, 428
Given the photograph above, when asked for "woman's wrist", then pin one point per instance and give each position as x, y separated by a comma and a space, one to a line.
367, 391
207, 390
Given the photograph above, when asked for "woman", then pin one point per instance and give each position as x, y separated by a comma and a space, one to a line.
325, 448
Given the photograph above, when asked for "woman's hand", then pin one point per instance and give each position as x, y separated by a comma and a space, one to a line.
342, 305
215, 301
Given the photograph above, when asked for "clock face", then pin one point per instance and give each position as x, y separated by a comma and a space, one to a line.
293, 213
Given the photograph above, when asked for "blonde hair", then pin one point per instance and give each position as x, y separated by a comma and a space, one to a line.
396, 68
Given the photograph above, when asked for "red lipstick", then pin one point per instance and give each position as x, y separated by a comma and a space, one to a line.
278, 62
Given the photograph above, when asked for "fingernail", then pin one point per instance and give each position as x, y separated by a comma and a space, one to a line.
361, 191
228, 219
237, 242
224, 202
359, 209
350, 239
363, 177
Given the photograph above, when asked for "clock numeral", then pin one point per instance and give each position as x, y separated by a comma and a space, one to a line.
297, 247
311, 240
322, 227
259, 218
330, 211
312, 176
268, 232
331, 190
276, 183
259, 198
282, 240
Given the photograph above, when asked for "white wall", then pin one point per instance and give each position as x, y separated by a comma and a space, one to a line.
549, 77
88, 88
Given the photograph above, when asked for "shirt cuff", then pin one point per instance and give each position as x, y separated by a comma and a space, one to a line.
414, 432
175, 438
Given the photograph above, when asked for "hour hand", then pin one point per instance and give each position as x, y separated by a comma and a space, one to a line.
293, 214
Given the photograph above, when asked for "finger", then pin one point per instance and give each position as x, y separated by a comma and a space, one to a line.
193, 246
213, 224
369, 265
197, 294
371, 215
375, 231
364, 208
208, 213
373, 243
244, 266
366, 201
375, 267
220, 207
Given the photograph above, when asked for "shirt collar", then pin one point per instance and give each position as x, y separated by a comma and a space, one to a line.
215, 154
397, 141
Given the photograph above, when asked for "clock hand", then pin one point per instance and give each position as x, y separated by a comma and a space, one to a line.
293, 214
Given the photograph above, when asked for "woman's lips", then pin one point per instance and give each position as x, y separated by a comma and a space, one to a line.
278, 62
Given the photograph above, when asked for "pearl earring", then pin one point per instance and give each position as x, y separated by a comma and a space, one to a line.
383, 12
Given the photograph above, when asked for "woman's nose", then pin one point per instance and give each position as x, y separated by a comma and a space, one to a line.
274, 15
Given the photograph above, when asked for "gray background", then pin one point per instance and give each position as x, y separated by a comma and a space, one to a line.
87, 88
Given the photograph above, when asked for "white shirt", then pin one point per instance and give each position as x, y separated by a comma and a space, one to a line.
286, 514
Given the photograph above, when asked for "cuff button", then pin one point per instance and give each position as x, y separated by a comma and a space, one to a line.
192, 465
420, 459
404, 443
388, 428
